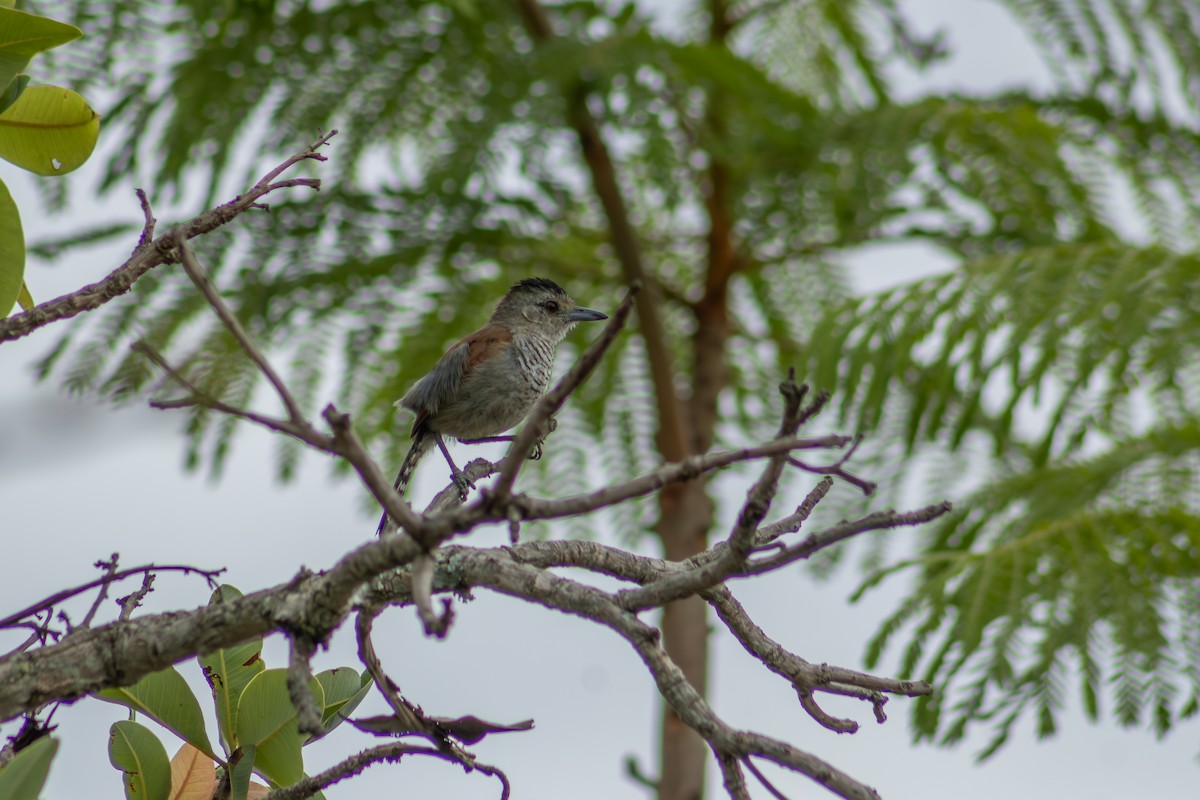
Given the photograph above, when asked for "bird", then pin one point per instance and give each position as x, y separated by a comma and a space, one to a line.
489, 381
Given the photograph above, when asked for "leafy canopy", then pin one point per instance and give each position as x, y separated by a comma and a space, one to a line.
1055, 363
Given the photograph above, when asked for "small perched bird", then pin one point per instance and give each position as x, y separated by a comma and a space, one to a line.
488, 382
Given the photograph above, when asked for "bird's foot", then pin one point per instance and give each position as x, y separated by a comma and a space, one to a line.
551, 426
462, 482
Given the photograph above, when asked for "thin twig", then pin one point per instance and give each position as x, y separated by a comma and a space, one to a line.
387, 753
200, 278
148, 228
131, 601
156, 252
844, 530
778, 795
677, 472
792, 522
110, 569
65, 594
866, 487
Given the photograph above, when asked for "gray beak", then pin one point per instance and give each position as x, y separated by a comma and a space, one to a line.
585, 315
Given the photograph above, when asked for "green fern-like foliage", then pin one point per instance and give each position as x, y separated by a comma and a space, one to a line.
1072, 368
1053, 368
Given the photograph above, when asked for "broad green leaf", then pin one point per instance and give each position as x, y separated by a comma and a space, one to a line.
137, 752
193, 775
25, 775
266, 719
14, 90
23, 36
344, 689
228, 671
24, 298
12, 252
165, 697
48, 131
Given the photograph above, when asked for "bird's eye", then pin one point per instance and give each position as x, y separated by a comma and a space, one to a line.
550, 306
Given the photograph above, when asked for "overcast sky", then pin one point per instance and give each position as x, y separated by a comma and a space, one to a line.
79, 481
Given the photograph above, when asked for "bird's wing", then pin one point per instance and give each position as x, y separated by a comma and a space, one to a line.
442, 384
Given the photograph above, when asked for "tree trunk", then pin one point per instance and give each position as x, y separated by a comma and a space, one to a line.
686, 511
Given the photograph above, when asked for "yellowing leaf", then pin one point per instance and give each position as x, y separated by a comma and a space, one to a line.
193, 775
48, 131
12, 252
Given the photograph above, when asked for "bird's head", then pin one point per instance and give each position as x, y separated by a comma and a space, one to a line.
539, 305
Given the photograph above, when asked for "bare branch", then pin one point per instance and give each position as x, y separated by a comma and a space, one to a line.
866, 487
299, 675
110, 569
66, 594
131, 601
792, 522
778, 795
148, 228
678, 472
155, 252
200, 278
389, 753
731, 774
198, 397
844, 530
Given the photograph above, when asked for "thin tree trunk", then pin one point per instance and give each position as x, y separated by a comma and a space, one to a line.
686, 512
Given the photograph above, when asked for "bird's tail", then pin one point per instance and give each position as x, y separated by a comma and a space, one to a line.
421, 444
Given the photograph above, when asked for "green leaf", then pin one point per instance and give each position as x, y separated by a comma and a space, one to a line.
12, 252
344, 689
137, 752
24, 298
14, 90
165, 697
241, 771
266, 719
228, 671
23, 36
24, 776
48, 131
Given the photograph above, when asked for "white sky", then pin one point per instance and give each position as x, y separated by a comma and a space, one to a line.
79, 481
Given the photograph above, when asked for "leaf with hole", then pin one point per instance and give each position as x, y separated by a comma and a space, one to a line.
228, 671
48, 130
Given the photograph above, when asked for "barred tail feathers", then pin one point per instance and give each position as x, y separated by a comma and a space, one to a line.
422, 442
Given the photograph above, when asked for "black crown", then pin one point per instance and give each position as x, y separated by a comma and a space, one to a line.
544, 284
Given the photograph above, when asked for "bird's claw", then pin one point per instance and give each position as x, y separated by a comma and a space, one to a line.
463, 483
551, 427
